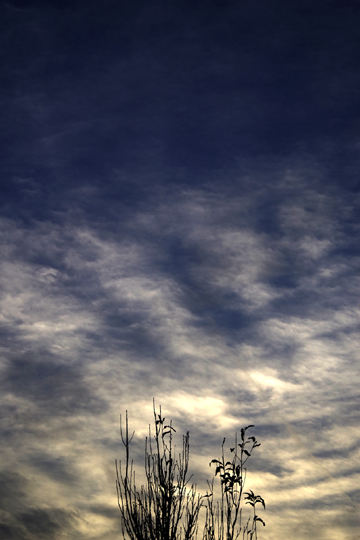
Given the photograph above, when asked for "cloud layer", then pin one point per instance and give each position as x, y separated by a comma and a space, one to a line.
223, 322
179, 220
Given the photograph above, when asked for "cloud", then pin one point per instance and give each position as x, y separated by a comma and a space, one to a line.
194, 301
45, 383
42, 523
179, 219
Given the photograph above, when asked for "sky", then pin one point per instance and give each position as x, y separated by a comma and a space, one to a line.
179, 220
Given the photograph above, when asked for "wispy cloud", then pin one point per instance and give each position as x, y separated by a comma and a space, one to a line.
224, 323
179, 220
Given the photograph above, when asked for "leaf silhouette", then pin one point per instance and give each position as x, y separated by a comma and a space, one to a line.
256, 518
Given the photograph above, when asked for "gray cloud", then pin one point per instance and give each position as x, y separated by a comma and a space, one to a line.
196, 310
44, 523
52, 385
179, 219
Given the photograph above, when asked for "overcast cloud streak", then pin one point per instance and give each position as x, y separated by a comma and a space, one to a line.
179, 220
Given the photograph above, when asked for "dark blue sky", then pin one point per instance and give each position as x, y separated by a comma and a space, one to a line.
169, 89
179, 218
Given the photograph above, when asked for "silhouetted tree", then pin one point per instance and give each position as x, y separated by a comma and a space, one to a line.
224, 518
167, 507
